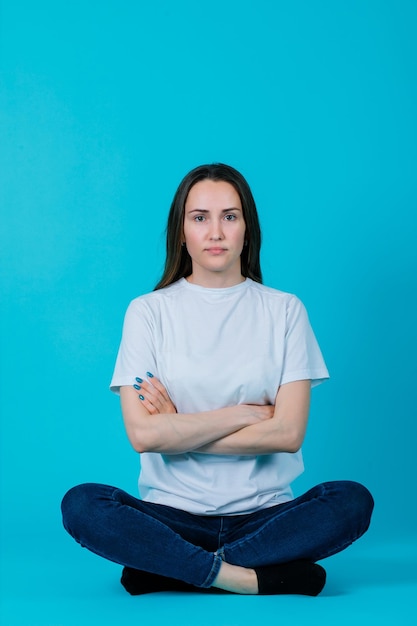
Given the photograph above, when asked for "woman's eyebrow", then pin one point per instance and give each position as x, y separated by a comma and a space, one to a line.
233, 208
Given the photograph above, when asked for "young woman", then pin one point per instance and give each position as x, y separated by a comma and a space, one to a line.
214, 373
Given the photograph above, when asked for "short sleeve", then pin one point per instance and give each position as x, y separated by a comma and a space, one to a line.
303, 359
136, 354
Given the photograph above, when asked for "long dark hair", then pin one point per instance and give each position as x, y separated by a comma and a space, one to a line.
178, 261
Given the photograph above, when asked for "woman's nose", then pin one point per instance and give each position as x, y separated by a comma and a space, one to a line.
216, 232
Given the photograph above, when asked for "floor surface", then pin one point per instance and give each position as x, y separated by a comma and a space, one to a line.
56, 583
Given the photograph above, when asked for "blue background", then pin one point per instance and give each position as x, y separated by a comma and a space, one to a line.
104, 107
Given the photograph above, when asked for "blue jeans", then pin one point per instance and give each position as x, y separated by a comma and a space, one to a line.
176, 544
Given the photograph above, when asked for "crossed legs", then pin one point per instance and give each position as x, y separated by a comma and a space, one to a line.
261, 552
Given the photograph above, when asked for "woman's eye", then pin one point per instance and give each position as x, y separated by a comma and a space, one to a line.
230, 218
199, 218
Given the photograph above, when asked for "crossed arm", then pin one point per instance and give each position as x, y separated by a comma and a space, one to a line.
153, 424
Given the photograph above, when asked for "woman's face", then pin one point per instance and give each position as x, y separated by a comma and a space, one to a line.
214, 233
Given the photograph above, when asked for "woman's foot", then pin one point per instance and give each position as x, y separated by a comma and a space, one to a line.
137, 582
296, 577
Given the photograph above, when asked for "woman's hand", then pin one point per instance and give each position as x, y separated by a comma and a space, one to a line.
153, 395
261, 412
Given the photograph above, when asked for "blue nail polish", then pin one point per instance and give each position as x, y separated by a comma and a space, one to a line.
139, 380
141, 397
136, 387
149, 374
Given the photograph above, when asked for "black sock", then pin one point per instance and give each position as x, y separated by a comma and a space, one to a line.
297, 577
137, 582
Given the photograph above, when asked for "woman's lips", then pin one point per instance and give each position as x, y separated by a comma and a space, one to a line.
215, 250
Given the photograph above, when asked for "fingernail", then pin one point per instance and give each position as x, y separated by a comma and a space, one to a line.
136, 387
141, 397
149, 374
139, 380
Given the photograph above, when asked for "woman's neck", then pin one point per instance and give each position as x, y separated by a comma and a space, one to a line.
215, 281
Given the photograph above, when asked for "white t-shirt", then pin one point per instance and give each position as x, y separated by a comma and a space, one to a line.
214, 348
